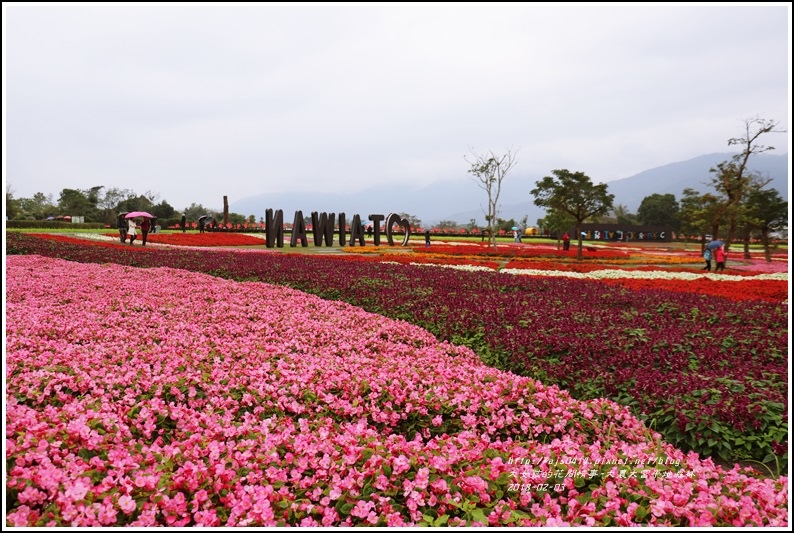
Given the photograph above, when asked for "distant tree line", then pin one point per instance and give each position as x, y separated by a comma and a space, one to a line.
102, 205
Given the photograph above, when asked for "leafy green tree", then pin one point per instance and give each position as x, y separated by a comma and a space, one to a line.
733, 180
79, 203
489, 171
624, 216
506, 225
194, 211
163, 210
767, 212
136, 203
237, 218
556, 223
12, 205
659, 210
700, 214
113, 197
111, 202
412, 220
573, 193
447, 224
39, 207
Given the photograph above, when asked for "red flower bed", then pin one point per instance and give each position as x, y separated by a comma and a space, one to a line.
200, 239
589, 267
766, 290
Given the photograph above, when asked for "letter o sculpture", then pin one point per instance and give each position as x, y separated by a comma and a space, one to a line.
392, 219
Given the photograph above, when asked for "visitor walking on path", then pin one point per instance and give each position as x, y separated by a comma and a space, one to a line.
707, 258
121, 223
131, 230
145, 227
719, 256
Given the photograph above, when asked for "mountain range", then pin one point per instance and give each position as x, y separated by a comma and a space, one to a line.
463, 200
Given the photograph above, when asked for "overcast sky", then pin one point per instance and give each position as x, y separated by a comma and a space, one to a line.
195, 102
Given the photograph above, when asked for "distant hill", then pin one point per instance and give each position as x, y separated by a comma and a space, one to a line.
463, 200
694, 174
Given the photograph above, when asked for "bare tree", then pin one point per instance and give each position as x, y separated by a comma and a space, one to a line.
732, 177
488, 170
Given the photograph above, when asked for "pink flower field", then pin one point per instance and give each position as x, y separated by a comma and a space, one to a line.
125, 405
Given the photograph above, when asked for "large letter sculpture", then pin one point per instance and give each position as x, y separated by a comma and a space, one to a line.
392, 219
274, 226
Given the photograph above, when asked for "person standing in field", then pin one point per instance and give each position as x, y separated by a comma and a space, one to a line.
145, 227
719, 256
121, 224
427, 238
131, 230
183, 222
566, 241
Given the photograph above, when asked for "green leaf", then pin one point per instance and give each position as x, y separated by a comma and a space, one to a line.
479, 516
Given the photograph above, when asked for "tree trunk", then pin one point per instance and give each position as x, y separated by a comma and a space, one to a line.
747, 245
765, 242
579, 236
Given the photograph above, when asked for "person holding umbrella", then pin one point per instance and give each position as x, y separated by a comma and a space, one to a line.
708, 253
131, 230
707, 258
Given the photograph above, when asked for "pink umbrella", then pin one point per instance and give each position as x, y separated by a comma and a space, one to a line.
139, 214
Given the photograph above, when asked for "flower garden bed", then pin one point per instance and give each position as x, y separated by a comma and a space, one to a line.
145, 397
709, 374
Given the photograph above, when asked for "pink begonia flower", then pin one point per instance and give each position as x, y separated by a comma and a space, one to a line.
401, 464
207, 518
361, 509
422, 477
127, 504
21, 516
381, 483
77, 491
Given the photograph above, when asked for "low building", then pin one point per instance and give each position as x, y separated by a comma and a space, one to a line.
624, 233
